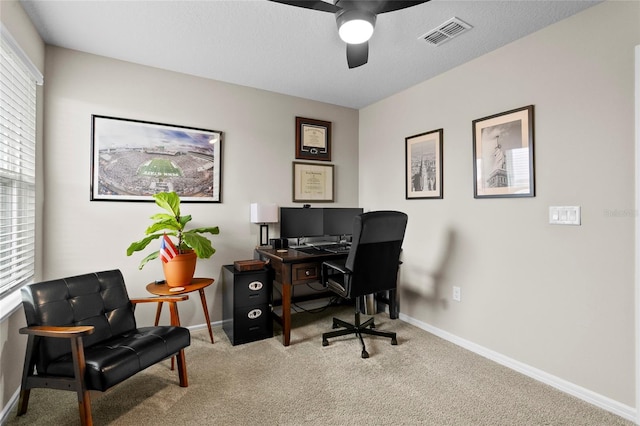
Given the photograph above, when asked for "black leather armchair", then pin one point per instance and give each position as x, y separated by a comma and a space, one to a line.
371, 267
82, 336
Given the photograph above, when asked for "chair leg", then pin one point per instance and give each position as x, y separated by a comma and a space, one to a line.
182, 369
84, 406
23, 402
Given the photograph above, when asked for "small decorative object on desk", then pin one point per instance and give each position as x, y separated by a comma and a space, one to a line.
248, 265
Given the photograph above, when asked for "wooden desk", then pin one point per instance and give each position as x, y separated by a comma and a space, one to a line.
293, 267
198, 284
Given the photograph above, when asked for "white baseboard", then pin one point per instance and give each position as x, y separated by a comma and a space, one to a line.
4, 415
584, 394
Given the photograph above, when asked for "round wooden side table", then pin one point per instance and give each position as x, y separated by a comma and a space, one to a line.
198, 284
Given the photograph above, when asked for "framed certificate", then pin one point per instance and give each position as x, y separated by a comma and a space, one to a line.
313, 139
312, 182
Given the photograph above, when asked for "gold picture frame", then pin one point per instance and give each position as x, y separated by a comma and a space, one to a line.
312, 182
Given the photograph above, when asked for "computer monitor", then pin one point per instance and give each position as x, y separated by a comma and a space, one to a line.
297, 222
339, 221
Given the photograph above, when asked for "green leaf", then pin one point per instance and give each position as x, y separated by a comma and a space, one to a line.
171, 225
200, 245
168, 201
152, 256
142, 244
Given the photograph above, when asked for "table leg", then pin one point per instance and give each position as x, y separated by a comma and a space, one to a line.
203, 299
158, 312
286, 314
175, 321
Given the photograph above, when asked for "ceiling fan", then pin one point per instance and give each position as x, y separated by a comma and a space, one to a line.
356, 20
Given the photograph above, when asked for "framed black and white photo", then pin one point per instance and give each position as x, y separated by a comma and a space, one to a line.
503, 154
313, 139
423, 165
132, 160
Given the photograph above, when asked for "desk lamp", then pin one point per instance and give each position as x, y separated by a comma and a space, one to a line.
263, 214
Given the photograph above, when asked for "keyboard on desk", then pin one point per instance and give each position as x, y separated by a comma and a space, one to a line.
336, 248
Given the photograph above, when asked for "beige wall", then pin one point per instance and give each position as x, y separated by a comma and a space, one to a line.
257, 154
556, 298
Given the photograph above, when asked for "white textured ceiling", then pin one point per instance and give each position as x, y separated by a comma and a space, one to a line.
285, 49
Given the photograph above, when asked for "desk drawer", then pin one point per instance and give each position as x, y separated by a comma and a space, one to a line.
303, 272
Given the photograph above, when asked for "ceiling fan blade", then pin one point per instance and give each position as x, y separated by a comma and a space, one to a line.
357, 54
310, 4
390, 6
377, 6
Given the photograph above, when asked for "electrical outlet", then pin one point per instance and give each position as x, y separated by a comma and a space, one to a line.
456, 294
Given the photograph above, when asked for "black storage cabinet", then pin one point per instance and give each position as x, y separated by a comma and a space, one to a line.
246, 305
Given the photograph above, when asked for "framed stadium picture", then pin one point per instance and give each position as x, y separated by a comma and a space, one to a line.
132, 160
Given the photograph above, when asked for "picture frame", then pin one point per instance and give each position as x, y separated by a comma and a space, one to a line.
503, 155
313, 139
312, 182
423, 165
132, 159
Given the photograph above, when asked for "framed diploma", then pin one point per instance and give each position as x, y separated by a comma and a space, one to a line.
313, 139
312, 182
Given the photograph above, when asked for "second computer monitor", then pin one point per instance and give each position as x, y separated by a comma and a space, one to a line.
339, 221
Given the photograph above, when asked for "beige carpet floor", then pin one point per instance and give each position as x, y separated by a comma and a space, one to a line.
424, 380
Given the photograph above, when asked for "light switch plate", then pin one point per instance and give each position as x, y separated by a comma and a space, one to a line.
564, 215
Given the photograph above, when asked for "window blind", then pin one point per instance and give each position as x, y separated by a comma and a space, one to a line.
17, 167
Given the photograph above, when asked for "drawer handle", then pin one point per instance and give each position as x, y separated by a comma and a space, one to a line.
307, 272
254, 313
255, 285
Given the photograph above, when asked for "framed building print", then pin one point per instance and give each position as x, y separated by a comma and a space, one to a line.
312, 182
423, 165
503, 163
313, 139
132, 160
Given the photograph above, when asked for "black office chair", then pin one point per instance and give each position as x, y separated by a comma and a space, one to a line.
371, 267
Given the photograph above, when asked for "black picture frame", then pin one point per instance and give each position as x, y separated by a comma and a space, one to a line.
503, 154
313, 139
133, 159
423, 165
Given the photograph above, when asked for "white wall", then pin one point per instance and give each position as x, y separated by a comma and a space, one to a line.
557, 298
258, 150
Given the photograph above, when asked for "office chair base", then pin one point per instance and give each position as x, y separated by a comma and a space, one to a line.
368, 327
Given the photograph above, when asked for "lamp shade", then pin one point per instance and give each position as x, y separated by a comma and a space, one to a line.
264, 213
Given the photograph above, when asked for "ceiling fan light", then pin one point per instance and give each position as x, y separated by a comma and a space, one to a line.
355, 26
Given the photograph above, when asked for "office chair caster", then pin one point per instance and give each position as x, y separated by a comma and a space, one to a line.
394, 341
365, 354
325, 342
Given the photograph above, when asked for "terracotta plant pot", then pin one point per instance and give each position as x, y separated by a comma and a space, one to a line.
179, 270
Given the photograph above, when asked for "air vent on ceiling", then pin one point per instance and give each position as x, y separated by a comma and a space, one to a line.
450, 29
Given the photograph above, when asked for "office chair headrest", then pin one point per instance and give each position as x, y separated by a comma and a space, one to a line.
387, 226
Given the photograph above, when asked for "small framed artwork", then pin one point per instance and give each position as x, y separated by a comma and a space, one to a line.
312, 182
503, 155
132, 160
313, 139
423, 165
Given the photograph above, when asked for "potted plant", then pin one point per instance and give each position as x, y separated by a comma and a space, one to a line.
191, 243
